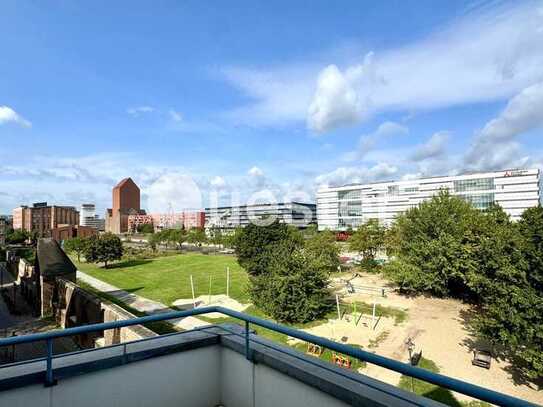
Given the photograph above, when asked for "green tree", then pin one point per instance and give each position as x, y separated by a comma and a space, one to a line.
103, 249
16, 236
254, 243
531, 228
322, 248
196, 236
368, 240
146, 228
294, 288
75, 245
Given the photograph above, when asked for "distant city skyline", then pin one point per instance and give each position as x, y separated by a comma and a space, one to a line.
199, 103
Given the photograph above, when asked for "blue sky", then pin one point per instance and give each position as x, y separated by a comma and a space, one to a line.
202, 99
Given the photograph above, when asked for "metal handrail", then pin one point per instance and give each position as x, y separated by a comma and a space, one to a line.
450, 383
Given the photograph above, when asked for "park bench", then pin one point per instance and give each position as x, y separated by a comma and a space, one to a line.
482, 358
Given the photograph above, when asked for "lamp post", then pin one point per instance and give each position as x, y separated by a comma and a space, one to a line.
410, 347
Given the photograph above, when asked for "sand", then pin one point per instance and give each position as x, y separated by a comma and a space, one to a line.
438, 328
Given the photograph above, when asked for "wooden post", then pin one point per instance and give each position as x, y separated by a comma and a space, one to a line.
228, 281
192, 288
373, 316
338, 310
209, 294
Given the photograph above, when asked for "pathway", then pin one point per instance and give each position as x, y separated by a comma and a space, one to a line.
140, 303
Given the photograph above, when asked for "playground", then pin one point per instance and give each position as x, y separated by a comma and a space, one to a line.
437, 327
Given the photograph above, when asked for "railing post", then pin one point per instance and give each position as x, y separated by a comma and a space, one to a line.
49, 381
247, 348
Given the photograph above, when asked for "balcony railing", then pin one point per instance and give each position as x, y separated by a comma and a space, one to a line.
456, 385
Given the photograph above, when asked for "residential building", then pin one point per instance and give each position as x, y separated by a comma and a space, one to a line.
340, 208
186, 220
126, 201
89, 218
230, 217
41, 218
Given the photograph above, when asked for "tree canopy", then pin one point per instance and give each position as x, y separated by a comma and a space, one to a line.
103, 249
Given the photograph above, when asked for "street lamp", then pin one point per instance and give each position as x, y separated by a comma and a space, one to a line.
410, 347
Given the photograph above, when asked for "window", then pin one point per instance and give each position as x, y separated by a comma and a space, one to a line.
478, 184
411, 189
479, 201
350, 208
393, 190
352, 194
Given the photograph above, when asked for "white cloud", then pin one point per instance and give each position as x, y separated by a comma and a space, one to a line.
136, 111
175, 116
485, 56
7, 114
433, 148
255, 172
175, 191
218, 182
368, 142
494, 146
348, 175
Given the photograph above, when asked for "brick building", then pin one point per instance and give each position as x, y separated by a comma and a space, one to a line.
186, 220
126, 201
42, 218
70, 231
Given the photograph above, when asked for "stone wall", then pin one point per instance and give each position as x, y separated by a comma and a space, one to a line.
74, 306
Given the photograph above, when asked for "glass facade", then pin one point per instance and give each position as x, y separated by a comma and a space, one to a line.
350, 208
352, 194
479, 201
479, 184
394, 190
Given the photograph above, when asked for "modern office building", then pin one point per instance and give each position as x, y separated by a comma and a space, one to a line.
230, 217
160, 221
340, 208
89, 218
41, 218
126, 201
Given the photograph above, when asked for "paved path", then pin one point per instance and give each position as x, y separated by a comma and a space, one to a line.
140, 303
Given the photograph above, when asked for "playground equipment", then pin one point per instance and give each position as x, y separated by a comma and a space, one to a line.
482, 358
314, 350
354, 288
341, 361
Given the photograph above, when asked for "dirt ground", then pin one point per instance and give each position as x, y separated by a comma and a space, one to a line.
205, 300
438, 328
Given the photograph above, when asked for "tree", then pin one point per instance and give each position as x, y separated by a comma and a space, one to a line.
322, 248
531, 228
146, 228
254, 243
75, 245
368, 239
103, 249
294, 288
196, 236
17, 236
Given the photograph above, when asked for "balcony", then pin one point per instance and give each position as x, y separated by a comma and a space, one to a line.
222, 365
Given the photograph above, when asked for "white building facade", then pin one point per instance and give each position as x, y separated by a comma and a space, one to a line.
341, 208
88, 217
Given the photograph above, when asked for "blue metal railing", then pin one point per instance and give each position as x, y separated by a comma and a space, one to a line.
456, 385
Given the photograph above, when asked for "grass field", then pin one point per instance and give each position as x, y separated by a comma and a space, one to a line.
167, 279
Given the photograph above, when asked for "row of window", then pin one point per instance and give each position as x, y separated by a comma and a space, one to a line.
478, 184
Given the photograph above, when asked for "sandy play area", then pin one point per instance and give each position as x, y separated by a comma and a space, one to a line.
206, 300
438, 328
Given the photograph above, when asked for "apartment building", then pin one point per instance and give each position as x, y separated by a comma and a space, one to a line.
41, 218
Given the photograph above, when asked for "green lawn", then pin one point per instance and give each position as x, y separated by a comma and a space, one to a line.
167, 279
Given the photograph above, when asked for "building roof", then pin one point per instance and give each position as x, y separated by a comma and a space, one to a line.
124, 182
